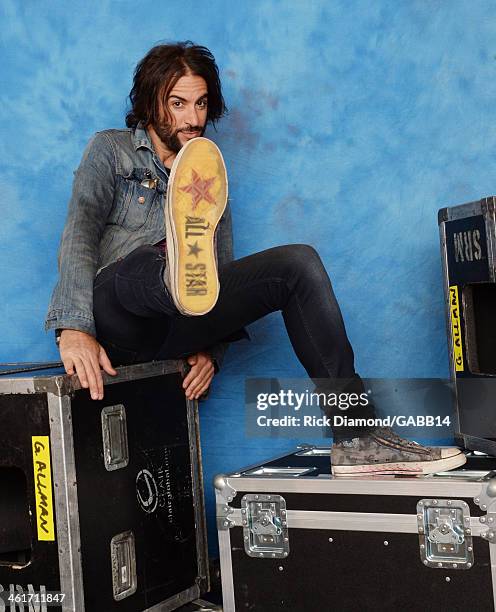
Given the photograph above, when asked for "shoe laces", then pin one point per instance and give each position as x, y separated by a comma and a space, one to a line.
388, 434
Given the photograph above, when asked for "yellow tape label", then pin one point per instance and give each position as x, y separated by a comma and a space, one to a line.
456, 330
43, 487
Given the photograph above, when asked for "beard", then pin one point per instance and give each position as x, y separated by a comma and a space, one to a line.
169, 136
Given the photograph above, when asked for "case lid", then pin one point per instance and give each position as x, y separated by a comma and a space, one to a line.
49, 377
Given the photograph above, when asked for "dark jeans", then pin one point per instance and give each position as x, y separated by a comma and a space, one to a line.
137, 321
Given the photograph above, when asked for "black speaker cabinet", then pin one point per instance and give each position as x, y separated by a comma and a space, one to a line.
468, 250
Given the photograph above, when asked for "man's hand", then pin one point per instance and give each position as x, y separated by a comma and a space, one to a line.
200, 376
81, 353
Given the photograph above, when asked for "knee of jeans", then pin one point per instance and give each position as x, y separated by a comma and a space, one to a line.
139, 262
304, 259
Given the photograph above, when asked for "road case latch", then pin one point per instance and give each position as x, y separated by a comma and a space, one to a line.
123, 559
114, 435
445, 536
265, 528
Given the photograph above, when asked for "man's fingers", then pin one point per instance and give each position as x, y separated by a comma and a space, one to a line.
190, 376
190, 389
203, 369
202, 380
205, 376
94, 379
199, 376
202, 390
86, 375
81, 352
105, 362
81, 372
98, 377
192, 359
69, 366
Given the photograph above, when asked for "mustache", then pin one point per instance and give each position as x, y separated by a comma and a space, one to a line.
190, 129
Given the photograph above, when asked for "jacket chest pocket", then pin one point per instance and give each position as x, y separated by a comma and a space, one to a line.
139, 195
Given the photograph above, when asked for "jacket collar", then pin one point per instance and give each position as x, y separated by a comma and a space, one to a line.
141, 137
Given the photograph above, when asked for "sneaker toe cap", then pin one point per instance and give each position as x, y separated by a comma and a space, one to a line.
449, 451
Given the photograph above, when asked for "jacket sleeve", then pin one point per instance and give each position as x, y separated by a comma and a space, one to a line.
71, 306
224, 242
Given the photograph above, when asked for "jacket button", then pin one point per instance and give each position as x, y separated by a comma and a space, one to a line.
141, 199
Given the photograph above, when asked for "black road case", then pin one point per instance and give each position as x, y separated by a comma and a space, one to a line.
200, 605
291, 537
101, 501
468, 251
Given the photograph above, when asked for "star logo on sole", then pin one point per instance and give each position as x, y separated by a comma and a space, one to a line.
199, 189
194, 249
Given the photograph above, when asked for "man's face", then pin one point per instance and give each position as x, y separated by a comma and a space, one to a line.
185, 115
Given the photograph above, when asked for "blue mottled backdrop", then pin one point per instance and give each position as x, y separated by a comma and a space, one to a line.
351, 123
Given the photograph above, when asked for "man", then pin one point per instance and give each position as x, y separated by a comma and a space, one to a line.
115, 301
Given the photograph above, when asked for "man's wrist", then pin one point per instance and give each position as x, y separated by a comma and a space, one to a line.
58, 333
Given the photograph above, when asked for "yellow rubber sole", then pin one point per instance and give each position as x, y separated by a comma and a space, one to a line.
196, 200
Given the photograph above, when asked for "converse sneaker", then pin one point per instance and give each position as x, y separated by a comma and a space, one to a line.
384, 452
196, 200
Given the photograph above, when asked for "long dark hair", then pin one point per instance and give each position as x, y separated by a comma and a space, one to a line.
158, 72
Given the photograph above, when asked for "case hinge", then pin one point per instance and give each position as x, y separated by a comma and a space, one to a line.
445, 536
265, 526
223, 520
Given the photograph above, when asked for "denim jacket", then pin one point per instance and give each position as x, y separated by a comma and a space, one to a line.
111, 214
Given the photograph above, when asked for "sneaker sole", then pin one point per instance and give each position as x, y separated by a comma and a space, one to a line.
409, 468
196, 200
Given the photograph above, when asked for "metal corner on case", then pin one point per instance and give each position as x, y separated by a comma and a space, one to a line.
488, 204
223, 488
442, 215
486, 499
56, 385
